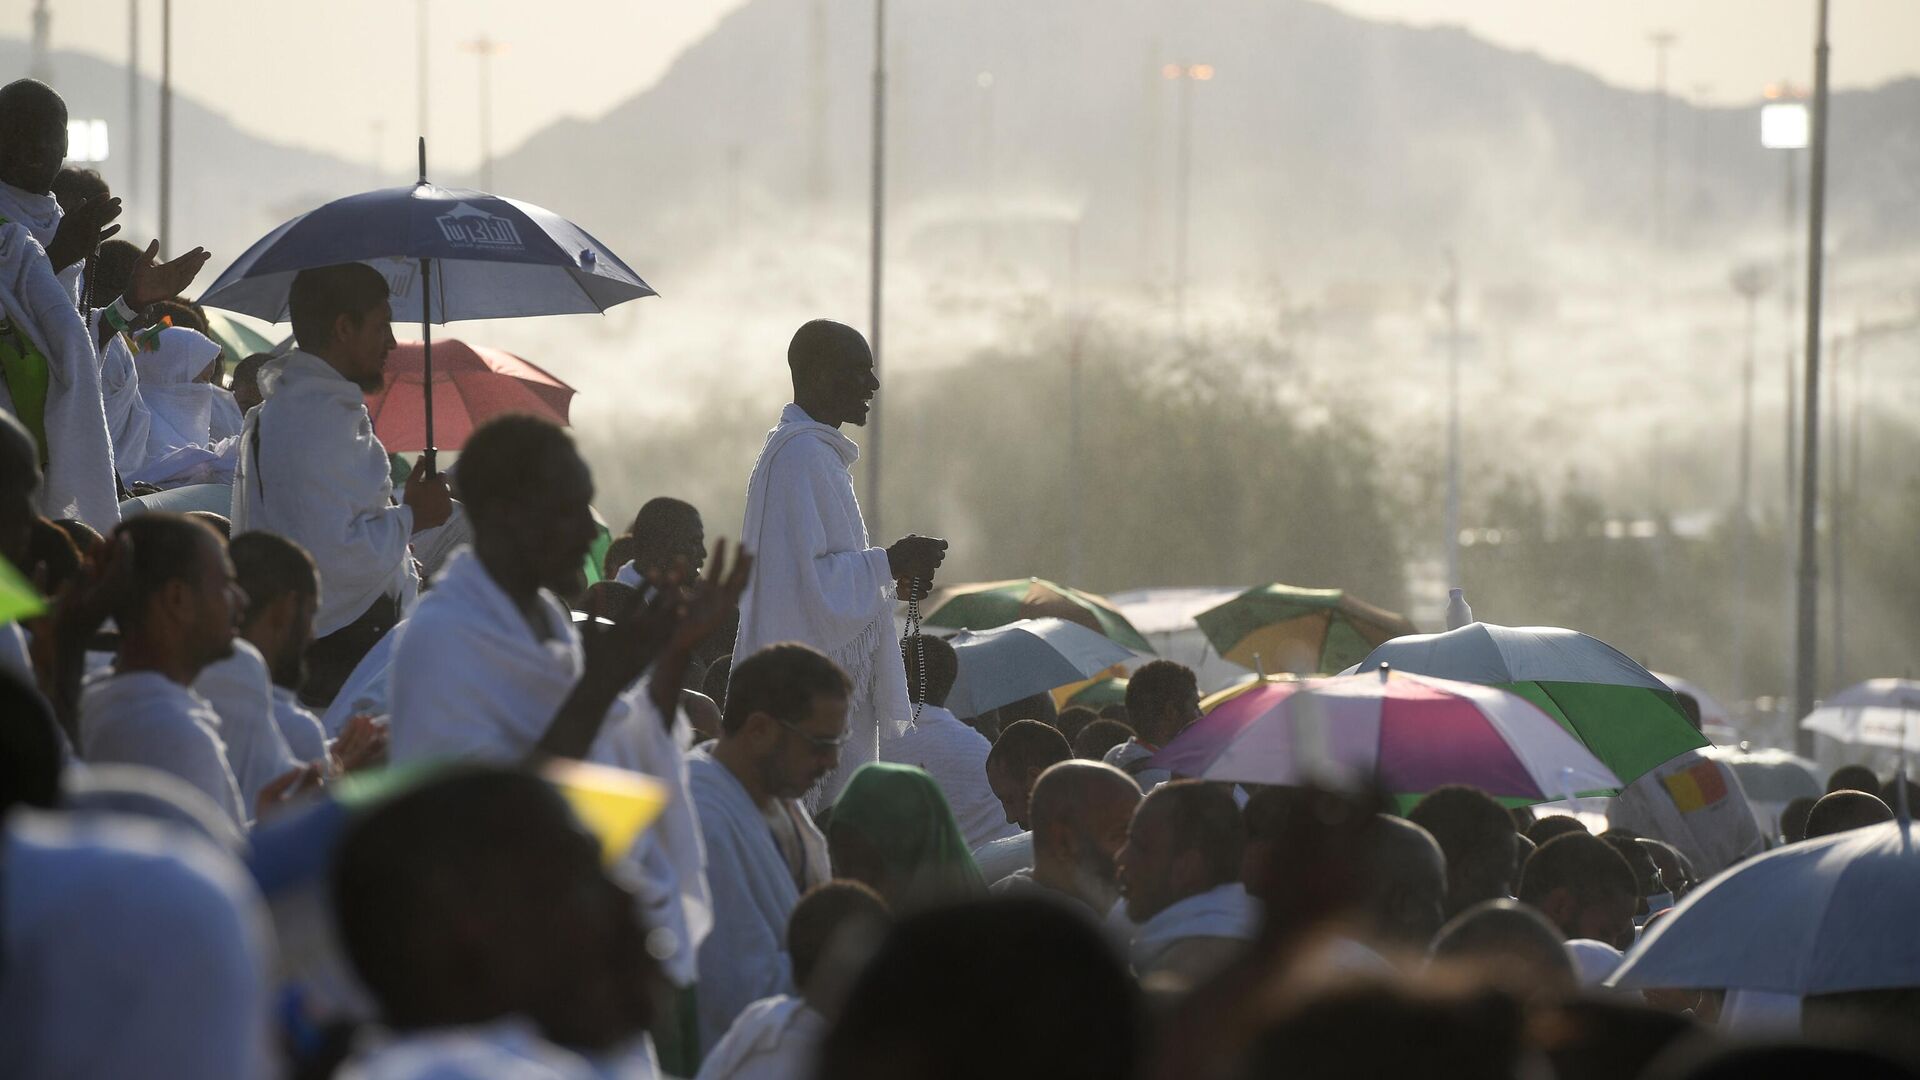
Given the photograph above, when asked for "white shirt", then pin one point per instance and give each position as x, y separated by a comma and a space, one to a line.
241, 693
145, 718
1126, 757
955, 755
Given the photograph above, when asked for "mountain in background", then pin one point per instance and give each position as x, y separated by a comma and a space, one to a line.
229, 187
1323, 141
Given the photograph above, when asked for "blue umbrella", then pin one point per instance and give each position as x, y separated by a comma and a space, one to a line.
451, 253
1032, 656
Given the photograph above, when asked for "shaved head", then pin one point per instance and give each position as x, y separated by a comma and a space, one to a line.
833, 376
33, 135
1080, 811
1409, 875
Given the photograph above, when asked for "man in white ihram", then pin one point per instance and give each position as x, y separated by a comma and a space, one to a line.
816, 580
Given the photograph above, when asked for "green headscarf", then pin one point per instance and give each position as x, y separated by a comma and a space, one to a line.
899, 812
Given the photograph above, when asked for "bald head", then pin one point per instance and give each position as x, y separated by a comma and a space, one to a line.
1080, 811
33, 135
1409, 876
1842, 810
833, 376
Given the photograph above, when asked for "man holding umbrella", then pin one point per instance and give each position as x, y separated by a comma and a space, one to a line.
312, 470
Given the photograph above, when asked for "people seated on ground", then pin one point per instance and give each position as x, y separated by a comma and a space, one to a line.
1509, 943
1032, 707
1404, 903
1024, 750
475, 909
175, 612
1080, 813
1694, 803
665, 534
1180, 873
1584, 886
1675, 872
133, 948
954, 754
1478, 839
1012, 988
1162, 699
129, 421
192, 420
1099, 737
834, 930
311, 469
891, 830
785, 722
1845, 809
1546, 828
1853, 778
490, 666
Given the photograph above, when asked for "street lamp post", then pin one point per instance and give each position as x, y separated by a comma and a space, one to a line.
166, 126
133, 103
1750, 281
877, 252
1183, 179
486, 49
1806, 635
1451, 296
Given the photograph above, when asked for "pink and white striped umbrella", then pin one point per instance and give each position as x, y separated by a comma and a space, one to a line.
1407, 734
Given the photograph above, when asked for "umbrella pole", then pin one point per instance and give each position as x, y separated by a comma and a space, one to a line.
426, 355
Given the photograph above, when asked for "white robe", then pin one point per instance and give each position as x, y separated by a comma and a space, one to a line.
323, 482
509, 1049
1003, 858
754, 894
1225, 911
145, 718
298, 726
241, 693
41, 215
129, 421
1127, 758
132, 948
776, 1038
368, 691
470, 680
79, 482
955, 755
817, 581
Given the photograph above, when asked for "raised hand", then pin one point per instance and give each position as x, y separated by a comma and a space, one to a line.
150, 283
282, 790
362, 744
704, 608
82, 230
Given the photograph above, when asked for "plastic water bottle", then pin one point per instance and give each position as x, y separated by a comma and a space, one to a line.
1458, 613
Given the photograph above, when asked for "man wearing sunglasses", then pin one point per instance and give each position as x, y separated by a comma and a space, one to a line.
781, 734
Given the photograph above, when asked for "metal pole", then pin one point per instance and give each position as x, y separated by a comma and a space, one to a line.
133, 103
166, 125
1806, 638
1787, 301
426, 333
1836, 605
420, 37
1453, 421
1743, 535
1076, 479
1662, 41
876, 255
1183, 200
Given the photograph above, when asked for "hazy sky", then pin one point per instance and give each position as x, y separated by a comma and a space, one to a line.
339, 75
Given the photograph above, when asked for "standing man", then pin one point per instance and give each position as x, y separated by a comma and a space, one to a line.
817, 580
311, 469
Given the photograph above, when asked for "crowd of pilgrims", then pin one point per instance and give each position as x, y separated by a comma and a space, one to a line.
280, 797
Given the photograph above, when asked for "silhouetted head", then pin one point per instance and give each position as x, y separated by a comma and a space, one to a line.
667, 532
941, 668
1554, 825
1163, 697
1097, 738
528, 494
283, 593
1843, 810
340, 314
245, 383
833, 374
1072, 720
1186, 838
1585, 887
76, 184
1478, 839
33, 135
181, 599
833, 931
1511, 943
1406, 901
1375, 1030
932, 1004
1024, 750
1853, 778
476, 896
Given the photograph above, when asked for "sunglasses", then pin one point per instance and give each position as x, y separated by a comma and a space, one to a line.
822, 743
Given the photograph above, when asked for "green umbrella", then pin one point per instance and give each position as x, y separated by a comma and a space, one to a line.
1100, 694
1306, 631
235, 338
989, 604
18, 600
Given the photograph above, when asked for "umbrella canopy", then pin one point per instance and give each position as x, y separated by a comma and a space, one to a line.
997, 603
1287, 628
492, 257
1712, 712
471, 385
1408, 733
1032, 656
1835, 914
1629, 719
1099, 694
1878, 712
235, 338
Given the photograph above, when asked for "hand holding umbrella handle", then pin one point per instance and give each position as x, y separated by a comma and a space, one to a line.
428, 495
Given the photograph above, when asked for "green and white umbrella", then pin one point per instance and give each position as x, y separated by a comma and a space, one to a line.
1629, 719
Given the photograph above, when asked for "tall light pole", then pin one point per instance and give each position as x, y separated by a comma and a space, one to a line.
40, 65
166, 126
984, 81
1186, 76
420, 28
876, 271
1662, 41
133, 103
1784, 126
1806, 636
1451, 297
1749, 281
486, 49
1076, 476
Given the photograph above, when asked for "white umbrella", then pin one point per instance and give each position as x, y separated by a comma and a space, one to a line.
1878, 712
1818, 917
1031, 656
1712, 712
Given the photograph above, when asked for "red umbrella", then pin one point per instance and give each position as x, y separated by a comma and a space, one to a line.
471, 385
